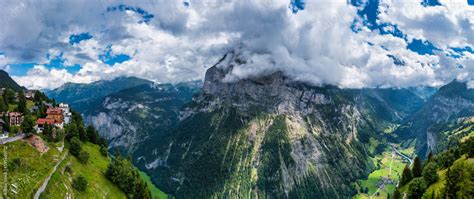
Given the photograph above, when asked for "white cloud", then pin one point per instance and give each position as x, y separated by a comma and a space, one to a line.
40, 77
315, 45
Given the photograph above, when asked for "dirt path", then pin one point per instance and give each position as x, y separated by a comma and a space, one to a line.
45, 183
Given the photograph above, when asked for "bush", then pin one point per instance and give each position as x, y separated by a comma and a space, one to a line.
430, 174
80, 183
92, 134
104, 151
417, 188
28, 124
83, 157
14, 164
76, 146
122, 173
68, 169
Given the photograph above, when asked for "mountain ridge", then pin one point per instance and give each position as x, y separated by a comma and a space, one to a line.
7, 82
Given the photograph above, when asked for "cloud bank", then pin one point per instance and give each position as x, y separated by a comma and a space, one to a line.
350, 44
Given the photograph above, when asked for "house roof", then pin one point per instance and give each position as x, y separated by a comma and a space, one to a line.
54, 111
45, 120
15, 114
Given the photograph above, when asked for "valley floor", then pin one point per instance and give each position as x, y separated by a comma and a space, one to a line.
384, 179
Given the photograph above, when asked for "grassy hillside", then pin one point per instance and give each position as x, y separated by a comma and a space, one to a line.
437, 189
448, 173
26, 167
155, 192
99, 186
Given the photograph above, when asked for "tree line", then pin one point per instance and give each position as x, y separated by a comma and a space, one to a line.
459, 175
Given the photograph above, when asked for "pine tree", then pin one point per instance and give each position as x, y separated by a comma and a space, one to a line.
396, 194
27, 126
430, 157
433, 195
450, 186
22, 103
7, 123
417, 168
3, 106
406, 176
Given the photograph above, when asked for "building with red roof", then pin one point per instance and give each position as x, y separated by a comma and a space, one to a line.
41, 122
56, 114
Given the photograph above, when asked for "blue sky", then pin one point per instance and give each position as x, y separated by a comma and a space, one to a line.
410, 43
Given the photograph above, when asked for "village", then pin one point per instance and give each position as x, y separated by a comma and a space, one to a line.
44, 114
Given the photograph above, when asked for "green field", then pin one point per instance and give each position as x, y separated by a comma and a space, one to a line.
34, 167
389, 167
99, 186
155, 192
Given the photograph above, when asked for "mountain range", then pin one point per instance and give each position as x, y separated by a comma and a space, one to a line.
266, 136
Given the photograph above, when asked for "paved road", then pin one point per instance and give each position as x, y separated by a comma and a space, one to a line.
12, 139
45, 183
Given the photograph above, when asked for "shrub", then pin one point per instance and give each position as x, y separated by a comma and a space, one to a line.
83, 157
430, 174
104, 151
15, 163
80, 183
121, 172
68, 169
417, 188
76, 146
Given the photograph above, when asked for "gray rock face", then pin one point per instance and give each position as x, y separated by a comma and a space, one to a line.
451, 102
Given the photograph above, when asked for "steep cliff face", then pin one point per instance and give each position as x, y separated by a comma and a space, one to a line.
268, 136
451, 102
133, 115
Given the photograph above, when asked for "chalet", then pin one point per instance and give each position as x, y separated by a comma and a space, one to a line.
55, 114
30, 94
66, 112
3, 133
16, 118
41, 122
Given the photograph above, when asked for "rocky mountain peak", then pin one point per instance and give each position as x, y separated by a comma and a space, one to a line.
273, 91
